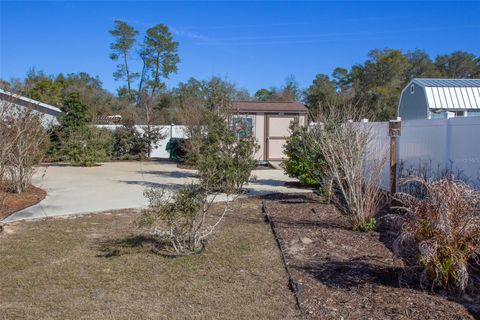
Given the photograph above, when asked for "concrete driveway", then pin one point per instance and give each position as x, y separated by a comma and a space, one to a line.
118, 185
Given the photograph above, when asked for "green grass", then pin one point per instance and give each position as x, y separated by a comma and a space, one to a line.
96, 267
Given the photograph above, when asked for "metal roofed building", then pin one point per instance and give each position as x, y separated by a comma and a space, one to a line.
439, 98
49, 113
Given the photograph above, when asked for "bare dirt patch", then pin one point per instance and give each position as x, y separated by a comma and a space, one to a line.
101, 266
13, 202
341, 274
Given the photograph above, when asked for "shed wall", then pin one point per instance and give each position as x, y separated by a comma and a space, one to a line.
413, 106
260, 135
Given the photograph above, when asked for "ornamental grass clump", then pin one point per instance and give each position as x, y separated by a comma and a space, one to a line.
441, 232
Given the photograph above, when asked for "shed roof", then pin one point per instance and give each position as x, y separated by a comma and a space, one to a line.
261, 106
426, 82
448, 94
27, 102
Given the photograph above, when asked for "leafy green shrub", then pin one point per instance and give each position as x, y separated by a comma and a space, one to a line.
441, 231
74, 114
369, 225
129, 144
87, 146
223, 160
175, 217
224, 164
74, 141
305, 163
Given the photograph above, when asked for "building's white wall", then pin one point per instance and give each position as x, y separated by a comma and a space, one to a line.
48, 120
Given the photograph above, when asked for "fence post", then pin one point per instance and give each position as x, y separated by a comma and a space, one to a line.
394, 131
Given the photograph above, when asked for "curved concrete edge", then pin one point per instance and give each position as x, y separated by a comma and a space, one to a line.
219, 198
116, 186
65, 216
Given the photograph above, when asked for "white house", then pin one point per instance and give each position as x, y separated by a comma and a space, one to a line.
12, 100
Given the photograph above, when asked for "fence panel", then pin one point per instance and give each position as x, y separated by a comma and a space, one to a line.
436, 146
464, 147
423, 143
169, 131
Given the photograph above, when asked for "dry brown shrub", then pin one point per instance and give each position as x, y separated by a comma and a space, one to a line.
354, 163
441, 231
23, 144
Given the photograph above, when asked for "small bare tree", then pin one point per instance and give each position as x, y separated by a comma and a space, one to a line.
354, 162
149, 117
23, 144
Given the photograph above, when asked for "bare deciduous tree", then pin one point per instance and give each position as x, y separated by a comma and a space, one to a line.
22, 145
354, 162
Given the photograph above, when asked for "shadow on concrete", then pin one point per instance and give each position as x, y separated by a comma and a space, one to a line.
269, 182
149, 184
170, 174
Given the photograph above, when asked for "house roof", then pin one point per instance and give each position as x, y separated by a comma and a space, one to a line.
261, 106
448, 94
27, 102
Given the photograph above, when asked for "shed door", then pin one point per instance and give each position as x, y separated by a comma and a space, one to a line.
277, 133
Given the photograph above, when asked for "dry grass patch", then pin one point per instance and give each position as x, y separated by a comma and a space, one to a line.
95, 267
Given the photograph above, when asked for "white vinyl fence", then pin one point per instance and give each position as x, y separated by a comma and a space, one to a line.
160, 151
436, 145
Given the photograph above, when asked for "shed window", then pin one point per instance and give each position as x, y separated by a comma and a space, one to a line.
243, 125
412, 89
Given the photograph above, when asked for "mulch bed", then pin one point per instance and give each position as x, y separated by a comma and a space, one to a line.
337, 273
13, 202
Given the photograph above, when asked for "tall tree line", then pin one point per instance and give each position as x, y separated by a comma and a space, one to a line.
375, 85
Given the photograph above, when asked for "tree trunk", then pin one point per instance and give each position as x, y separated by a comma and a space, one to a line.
155, 82
141, 83
128, 75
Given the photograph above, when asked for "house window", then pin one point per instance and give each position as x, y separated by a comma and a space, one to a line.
243, 125
412, 89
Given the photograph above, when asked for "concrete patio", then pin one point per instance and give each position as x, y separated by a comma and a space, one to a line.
118, 185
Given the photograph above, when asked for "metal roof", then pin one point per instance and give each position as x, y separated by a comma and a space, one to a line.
27, 102
424, 82
448, 94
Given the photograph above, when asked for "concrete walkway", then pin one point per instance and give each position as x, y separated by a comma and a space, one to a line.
118, 185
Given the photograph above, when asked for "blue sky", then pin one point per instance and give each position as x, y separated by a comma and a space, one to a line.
253, 44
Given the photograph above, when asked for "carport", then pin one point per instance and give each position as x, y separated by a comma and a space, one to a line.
269, 122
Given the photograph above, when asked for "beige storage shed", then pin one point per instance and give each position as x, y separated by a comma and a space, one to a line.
269, 122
